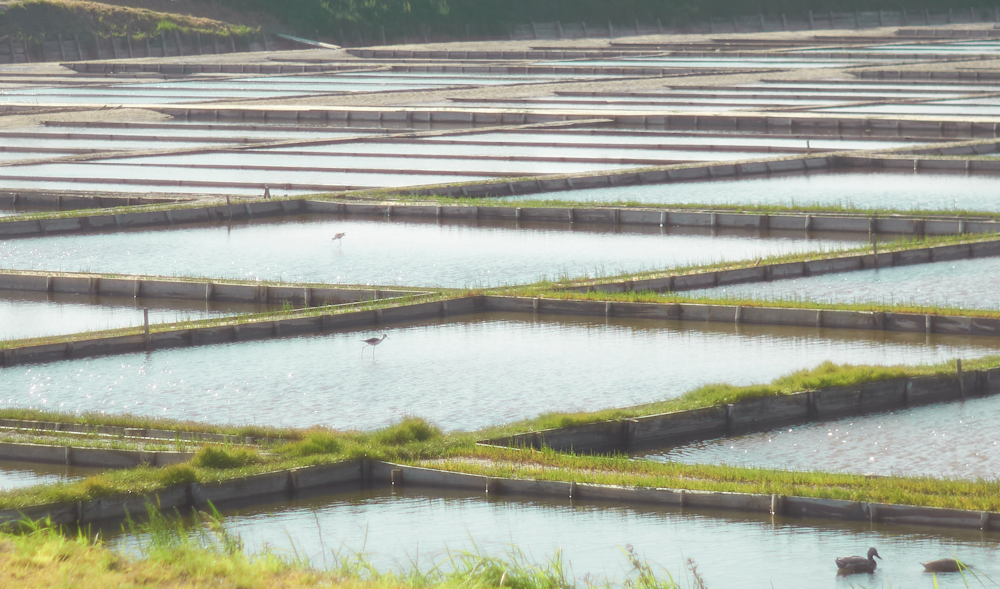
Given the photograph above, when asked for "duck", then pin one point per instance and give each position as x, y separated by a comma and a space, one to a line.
944, 565
858, 564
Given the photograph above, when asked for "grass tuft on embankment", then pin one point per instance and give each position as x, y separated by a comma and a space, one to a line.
169, 553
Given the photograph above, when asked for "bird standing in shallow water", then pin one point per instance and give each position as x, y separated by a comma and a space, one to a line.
372, 341
858, 564
338, 237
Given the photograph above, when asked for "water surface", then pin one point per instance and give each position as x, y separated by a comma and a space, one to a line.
902, 191
464, 373
417, 253
16, 474
971, 284
950, 440
26, 314
397, 529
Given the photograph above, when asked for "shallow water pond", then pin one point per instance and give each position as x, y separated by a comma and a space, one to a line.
465, 373
396, 530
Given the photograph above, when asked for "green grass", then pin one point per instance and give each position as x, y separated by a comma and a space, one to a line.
204, 553
826, 375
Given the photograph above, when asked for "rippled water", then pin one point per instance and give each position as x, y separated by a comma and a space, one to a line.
396, 530
32, 314
453, 254
885, 190
15, 475
952, 440
971, 284
469, 373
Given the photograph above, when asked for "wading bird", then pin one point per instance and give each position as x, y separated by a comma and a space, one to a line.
372, 341
338, 237
858, 564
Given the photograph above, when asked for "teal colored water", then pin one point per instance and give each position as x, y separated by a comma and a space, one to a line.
970, 284
950, 440
461, 373
903, 191
454, 253
397, 529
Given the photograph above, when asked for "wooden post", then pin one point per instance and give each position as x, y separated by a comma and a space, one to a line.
163, 40
97, 45
27, 56
177, 39
197, 38
961, 381
145, 322
149, 48
128, 41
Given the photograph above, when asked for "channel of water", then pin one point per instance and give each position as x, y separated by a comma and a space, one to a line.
452, 253
464, 372
409, 526
26, 314
882, 189
951, 440
970, 284
16, 475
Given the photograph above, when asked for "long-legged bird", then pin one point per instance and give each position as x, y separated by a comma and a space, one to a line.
372, 341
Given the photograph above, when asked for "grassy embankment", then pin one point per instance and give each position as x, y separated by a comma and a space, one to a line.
414, 441
207, 555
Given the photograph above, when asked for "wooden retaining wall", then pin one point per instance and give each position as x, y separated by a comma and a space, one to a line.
264, 488
769, 272
263, 329
95, 284
133, 433
681, 427
11, 227
818, 318
92, 457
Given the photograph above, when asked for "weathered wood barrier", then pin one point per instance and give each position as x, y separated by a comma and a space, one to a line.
93, 457
322, 322
132, 433
786, 270
813, 221
680, 427
208, 290
264, 488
